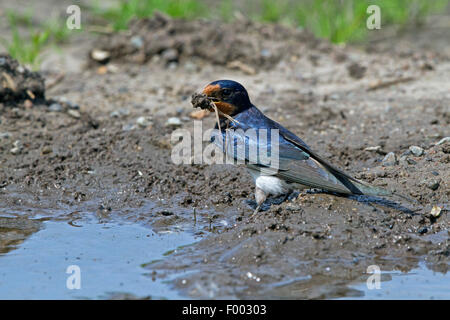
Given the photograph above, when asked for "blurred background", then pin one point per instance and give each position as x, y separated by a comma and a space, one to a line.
33, 26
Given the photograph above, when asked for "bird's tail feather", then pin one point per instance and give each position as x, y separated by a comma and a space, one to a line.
378, 191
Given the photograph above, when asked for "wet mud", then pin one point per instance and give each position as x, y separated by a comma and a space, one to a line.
100, 145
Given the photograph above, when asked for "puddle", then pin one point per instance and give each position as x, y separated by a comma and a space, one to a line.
110, 257
420, 283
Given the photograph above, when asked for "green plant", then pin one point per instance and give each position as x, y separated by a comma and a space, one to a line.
226, 10
26, 46
57, 30
120, 16
272, 11
25, 49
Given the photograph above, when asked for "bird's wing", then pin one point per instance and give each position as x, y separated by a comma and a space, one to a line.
290, 162
299, 143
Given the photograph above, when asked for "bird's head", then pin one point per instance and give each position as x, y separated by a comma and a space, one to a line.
229, 96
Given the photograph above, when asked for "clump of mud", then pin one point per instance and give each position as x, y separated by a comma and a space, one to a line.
17, 83
241, 43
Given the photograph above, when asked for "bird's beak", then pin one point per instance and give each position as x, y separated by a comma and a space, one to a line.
210, 92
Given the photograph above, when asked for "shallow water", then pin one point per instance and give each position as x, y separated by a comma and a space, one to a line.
109, 255
420, 283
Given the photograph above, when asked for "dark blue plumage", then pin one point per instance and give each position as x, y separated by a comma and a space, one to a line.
298, 167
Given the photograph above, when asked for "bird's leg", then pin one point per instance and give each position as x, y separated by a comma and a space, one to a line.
260, 197
287, 195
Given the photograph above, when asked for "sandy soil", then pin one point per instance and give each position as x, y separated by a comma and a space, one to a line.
88, 148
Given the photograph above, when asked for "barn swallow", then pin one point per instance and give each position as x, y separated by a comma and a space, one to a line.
298, 167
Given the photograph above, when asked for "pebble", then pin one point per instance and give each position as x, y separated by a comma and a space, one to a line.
5, 135
28, 104
423, 230
443, 140
119, 113
415, 150
389, 160
137, 42
47, 150
129, 127
100, 55
170, 55
144, 121
172, 65
55, 107
15, 150
376, 148
17, 147
266, 53
73, 106
436, 211
433, 184
74, 113
199, 114
173, 122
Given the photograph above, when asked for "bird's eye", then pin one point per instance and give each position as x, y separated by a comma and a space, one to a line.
226, 92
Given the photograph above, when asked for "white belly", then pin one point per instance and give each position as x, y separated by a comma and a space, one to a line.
272, 185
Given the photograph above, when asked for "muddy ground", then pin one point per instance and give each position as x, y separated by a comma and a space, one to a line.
101, 144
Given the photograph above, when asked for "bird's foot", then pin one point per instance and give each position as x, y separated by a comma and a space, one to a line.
263, 207
255, 212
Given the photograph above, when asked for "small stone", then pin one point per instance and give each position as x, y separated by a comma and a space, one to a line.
114, 114
122, 112
112, 68
55, 107
415, 150
433, 184
47, 150
375, 148
101, 56
129, 127
102, 70
15, 150
170, 55
436, 211
73, 105
389, 160
5, 135
172, 65
74, 114
423, 230
28, 104
144, 121
137, 42
266, 53
199, 114
173, 122
443, 140
17, 147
